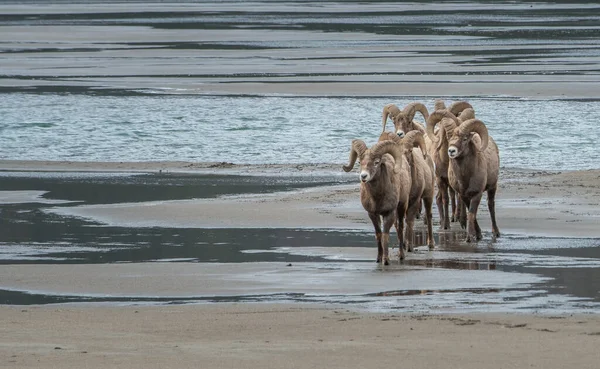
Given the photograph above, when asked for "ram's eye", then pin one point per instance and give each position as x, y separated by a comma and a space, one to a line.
377, 161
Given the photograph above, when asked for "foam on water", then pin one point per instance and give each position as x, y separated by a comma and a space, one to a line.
256, 130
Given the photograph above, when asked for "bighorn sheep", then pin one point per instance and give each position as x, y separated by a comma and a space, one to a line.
439, 151
385, 186
403, 123
403, 119
422, 183
473, 167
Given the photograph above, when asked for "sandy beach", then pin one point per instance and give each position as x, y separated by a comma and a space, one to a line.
283, 336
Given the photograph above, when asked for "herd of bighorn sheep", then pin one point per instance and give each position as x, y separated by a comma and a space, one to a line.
451, 150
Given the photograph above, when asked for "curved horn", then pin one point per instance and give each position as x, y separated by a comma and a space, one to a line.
439, 104
357, 151
448, 125
391, 110
457, 107
388, 147
477, 126
466, 114
434, 119
411, 109
415, 139
385, 136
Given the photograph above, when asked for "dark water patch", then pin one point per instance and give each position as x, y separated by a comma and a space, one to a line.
571, 270
29, 235
395, 21
441, 291
154, 187
55, 50
199, 45
67, 89
11, 297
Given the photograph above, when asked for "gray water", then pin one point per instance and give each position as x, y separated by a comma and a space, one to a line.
530, 134
266, 82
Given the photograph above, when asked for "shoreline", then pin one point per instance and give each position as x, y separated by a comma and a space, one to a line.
529, 202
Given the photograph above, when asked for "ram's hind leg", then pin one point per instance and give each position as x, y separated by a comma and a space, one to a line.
376, 220
439, 201
411, 213
428, 202
491, 199
400, 214
442, 204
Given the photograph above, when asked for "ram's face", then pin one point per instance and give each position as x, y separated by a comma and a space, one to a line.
401, 124
458, 144
369, 166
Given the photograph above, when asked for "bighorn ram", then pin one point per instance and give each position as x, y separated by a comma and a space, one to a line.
403, 123
439, 151
403, 119
384, 190
422, 183
473, 168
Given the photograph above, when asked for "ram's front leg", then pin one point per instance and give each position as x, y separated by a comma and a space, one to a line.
472, 225
376, 220
462, 212
455, 206
388, 221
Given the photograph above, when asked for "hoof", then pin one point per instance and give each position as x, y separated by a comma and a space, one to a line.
431, 247
386, 262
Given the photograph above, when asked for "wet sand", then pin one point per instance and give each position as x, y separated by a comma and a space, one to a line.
288, 336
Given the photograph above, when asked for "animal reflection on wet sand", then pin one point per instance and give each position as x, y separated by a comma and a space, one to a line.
513, 273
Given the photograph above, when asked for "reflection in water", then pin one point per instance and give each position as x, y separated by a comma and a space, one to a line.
431, 292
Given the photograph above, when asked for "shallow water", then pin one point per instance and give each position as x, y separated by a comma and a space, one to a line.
529, 133
514, 273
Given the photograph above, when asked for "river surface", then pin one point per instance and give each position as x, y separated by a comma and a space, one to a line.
291, 82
